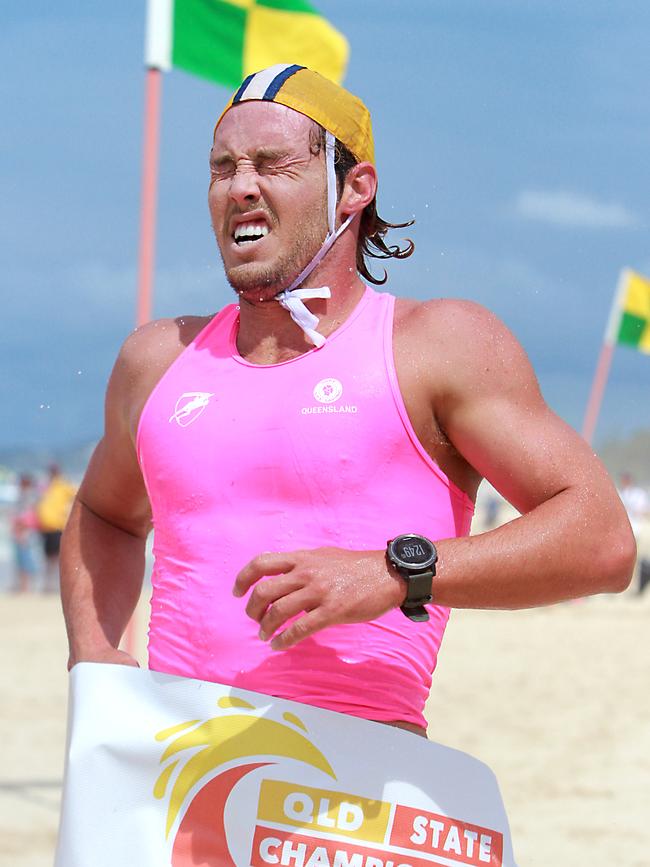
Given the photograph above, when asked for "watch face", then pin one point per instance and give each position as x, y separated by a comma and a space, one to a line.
413, 552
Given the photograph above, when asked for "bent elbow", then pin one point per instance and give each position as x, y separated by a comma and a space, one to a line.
619, 560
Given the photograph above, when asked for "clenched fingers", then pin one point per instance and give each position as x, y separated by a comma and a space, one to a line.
301, 628
283, 610
269, 592
264, 564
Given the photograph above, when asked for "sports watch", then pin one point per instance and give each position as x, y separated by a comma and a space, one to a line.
415, 558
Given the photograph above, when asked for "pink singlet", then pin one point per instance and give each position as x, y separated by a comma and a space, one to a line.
319, 450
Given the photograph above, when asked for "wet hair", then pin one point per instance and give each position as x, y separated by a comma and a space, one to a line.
372, 228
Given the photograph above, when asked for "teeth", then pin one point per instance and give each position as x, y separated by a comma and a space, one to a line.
250, 230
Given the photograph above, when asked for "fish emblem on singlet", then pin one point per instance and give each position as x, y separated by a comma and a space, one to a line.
189, 407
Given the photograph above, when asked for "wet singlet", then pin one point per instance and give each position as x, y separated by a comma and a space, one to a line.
315, 451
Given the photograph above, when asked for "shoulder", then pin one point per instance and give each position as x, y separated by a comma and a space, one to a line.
465, 354
463, 339
447, 316
143, 359
160, 341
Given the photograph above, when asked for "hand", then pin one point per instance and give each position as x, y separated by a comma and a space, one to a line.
110, 655
320, 588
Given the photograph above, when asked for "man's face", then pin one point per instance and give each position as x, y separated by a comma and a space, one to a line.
267, 197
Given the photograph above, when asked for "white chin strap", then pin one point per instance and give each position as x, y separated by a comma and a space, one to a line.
292, 297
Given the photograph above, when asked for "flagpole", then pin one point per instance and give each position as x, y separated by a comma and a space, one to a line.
146, 258
604, 361
146, 255
157, 51
597, 391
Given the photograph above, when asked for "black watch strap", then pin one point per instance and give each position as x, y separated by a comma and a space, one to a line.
418, 593
414, 558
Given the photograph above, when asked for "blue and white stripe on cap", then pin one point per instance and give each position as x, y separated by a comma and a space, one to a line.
265, 84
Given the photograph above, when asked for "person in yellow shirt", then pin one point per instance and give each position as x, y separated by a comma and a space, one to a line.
52, 512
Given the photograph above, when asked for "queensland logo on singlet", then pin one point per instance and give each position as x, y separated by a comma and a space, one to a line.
328, 392
189, 406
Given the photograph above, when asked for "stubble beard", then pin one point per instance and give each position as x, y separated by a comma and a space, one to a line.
261, 283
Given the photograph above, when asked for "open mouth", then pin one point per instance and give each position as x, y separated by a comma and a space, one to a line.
249, 233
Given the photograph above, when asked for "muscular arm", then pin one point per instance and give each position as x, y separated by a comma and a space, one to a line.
102, 565
573, 538
102, 551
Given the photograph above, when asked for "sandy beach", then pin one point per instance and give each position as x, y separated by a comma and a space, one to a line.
554, 700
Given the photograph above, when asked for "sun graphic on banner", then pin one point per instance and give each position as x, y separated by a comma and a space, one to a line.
197, 749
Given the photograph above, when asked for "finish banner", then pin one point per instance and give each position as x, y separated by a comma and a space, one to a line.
164, 771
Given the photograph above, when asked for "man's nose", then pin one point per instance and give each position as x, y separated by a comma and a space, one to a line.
244, 187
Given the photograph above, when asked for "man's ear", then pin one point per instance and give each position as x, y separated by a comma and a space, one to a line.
359, 189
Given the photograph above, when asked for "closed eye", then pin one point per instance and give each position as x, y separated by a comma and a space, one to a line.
222, 170
267, 166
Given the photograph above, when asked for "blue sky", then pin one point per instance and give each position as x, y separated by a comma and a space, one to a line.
515, 131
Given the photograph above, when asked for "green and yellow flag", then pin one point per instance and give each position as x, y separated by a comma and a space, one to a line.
634, 305
226, 40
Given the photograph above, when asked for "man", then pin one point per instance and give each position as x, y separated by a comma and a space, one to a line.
23, 525
52, 510
635, 501
279, 446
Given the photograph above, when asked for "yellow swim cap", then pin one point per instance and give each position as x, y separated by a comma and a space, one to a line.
330, 105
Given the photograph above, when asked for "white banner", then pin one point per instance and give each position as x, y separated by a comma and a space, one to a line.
164, 771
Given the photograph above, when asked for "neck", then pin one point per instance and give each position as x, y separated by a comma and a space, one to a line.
268, 335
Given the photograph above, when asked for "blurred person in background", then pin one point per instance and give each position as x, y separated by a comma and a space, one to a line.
636, 502
52, 511
491, 513
637, 505
23, 533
